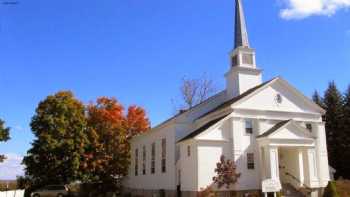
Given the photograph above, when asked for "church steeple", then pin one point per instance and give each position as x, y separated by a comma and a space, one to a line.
243, 73
242, 54
241, 34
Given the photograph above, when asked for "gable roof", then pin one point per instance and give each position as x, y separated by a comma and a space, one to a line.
307, 99
202, 128
256, 89
188, 110
274, 128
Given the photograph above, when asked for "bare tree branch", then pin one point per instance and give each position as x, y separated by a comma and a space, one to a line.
206, 89
189, 91
195, 91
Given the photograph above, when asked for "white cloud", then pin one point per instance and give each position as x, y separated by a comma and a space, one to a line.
11, 167
299, 9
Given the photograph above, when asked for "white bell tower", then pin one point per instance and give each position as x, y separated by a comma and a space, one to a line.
243, 74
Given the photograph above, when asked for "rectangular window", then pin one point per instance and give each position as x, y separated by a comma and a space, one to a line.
188, 151
309, 127
163, 155
250, 161
144, 160
153, 158
249, 126
177, 153
136, 162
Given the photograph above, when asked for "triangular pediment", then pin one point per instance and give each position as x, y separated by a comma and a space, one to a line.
288, 130
280, 96
218, 132
211, 130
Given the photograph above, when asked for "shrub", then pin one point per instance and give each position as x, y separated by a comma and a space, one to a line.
331, 190
226, 174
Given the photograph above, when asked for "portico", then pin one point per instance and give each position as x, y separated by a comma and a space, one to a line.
288, 156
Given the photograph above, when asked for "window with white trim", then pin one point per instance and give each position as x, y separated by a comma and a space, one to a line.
250, 161
177, 153
144, 160
249, 126
136, 162
189, 151
153, 158
163, 164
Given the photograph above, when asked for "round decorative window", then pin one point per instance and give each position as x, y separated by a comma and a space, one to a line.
279, 99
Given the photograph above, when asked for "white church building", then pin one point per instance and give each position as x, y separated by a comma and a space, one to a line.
273, 133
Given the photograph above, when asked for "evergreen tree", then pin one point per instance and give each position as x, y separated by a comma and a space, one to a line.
346, 134
317, 99
333, 104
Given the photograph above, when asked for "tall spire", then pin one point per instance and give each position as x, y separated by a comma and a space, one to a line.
241, 34
243, 74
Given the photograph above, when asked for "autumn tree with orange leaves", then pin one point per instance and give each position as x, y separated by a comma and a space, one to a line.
107, 157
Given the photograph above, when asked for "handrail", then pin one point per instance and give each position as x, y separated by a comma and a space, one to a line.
296, 179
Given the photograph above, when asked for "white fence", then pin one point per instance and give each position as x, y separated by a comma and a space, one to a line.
14, 193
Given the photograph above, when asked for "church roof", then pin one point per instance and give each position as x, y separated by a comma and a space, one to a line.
241, 34
237, 98
189, 110
202, 128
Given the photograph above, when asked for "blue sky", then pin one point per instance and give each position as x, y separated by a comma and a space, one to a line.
138, 51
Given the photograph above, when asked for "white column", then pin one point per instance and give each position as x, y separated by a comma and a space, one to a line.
301, 166
322, 155
312, 169
262, 159
273, 163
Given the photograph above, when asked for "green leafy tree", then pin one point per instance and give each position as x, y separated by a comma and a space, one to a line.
4, 136
333, 104
59, 126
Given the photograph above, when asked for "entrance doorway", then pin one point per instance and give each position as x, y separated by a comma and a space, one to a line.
291, 169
